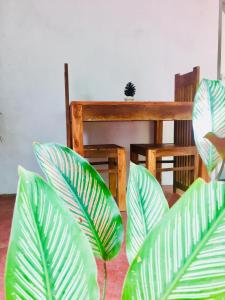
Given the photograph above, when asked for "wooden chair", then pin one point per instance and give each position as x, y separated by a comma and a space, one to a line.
185, 157
114, 156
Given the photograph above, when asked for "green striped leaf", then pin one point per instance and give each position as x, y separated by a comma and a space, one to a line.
146, 206
209, 116
86, 195
48, 256
184, 257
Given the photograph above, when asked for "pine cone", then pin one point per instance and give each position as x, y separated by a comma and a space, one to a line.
130, 90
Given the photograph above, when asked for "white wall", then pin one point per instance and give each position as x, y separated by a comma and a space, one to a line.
107, 44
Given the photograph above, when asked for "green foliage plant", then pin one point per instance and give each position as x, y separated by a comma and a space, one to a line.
183, 257
48, 257
146, 206
87, 197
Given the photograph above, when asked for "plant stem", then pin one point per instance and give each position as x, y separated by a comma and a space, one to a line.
105, 280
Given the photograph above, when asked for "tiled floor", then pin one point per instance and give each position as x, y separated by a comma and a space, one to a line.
116, 268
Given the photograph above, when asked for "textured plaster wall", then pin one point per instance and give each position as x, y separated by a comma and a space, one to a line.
107, 44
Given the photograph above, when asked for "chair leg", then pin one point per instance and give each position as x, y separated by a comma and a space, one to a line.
133, 156
196, 166
203, 173
121, 179
159, 174
174, 189
112, 175
174, 176
151, 161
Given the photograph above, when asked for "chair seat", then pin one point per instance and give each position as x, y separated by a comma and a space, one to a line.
103, 150
164, 149
102, 147
116, 161
155, 152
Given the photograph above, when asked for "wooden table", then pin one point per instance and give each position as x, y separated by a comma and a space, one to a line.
95, 111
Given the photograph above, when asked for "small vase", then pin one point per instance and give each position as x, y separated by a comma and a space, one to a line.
129, 98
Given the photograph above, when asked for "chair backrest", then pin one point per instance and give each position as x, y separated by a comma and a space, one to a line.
185, 88
67, 107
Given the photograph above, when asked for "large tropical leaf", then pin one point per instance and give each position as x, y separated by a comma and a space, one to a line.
146, 206
184, 257
86, 195
48, 257
209, 116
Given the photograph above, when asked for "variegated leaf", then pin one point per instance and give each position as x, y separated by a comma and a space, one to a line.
209, 116
48, 257
184, 257
86, 195
146, 206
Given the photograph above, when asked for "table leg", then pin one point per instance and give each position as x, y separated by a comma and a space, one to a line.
77, 128
158, 139
121, 179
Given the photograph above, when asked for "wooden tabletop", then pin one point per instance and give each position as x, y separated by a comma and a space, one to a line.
90, 111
